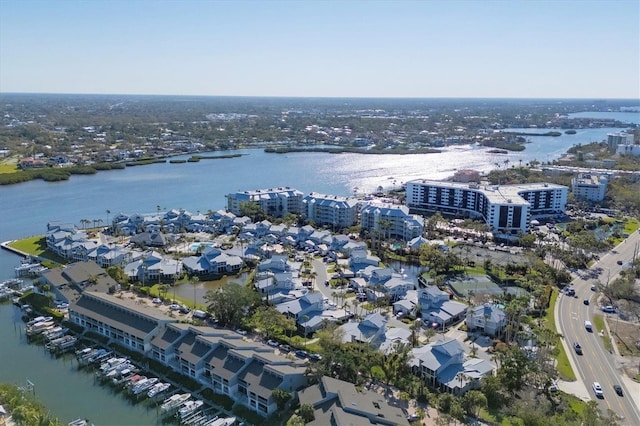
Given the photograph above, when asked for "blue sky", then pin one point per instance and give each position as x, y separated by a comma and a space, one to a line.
534, 49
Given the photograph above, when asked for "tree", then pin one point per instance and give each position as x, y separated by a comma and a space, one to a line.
515, 367
253, 211
306, 412
270, 322
281, 397
231, 303
473, 401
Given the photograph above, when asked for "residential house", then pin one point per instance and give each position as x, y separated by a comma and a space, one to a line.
488, 318
442, 365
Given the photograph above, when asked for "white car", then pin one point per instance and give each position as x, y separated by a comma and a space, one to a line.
597, 389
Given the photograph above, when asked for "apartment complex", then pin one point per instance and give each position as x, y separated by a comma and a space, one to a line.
276, 202
589, 187
618, 138
391, 221
331, 210
507, 209
245, 370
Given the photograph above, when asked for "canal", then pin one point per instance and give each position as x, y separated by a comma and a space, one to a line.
68, 393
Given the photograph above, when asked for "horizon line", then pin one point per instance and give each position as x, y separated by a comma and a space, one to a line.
595, 99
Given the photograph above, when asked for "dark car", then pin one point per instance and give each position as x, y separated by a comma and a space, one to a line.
577, 348
315, 357
301, 354
585, 301
618, 389
619, 262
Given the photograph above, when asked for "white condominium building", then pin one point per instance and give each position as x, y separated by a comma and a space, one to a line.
331, 210
507, 209
589, 187
276, 202
619, 138
391, 221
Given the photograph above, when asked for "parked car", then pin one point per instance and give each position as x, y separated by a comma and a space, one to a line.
608, 309
315, 357
618, 390
241, 331
285, 348
301, 354
272, 343
174, 307
157, 300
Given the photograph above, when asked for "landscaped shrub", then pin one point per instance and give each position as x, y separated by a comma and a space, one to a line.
220, 400
249, 415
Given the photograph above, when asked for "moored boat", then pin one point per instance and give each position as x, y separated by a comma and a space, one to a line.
157, 389
174, 401
189, 407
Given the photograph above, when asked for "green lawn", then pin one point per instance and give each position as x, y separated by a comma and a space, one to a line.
631, 225
598, 323
8, 166
564, 367
33, 245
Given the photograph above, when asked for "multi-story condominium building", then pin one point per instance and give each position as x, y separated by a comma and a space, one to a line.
619, 138
391, 221
247, 371
507, 209
589, 187
338, 212
276, 202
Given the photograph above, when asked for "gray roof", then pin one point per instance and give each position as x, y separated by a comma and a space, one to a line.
165, 339
81, 271
100, 308
259, 381
54, 277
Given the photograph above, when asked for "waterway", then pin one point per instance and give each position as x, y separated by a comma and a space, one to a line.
67, 392
27, 207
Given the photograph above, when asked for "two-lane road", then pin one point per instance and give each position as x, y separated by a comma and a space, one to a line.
597, 364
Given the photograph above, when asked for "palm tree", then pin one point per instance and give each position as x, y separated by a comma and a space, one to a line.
85, 223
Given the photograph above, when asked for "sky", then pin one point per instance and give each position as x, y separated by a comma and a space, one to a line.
418, 49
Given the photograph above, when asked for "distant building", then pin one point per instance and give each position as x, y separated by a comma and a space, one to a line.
628, 149
466, 176
331, 210
619, 138
507, 209
589, 187
276, 202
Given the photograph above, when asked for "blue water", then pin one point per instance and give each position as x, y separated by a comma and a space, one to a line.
27, 207
632, 117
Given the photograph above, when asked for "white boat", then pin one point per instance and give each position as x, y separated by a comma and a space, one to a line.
189, 407
224, 422
111, 363
37, 320
157, 389
144, 385
174, 401
40, 327
119, 369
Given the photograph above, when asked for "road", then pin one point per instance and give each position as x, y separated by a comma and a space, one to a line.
597, 364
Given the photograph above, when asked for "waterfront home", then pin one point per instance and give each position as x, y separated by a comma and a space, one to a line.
276, 202
276, 263
153, 266
212, 261
488, 318
331, 210
336, 402
80, 276
442, 365
120, 320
